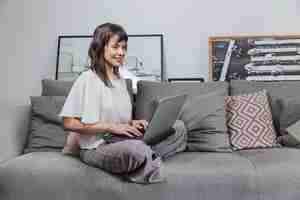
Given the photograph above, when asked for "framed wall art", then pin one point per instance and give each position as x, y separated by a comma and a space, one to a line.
258, 58
144, 60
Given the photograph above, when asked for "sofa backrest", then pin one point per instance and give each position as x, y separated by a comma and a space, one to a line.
279, 92
149, 91
62, 88
45, 129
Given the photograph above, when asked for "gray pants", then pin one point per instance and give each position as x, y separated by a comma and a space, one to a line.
127, 156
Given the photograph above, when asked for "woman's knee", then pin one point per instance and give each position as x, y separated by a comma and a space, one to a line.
129, 156
135, 150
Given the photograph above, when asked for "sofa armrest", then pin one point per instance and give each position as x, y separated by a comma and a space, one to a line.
14, 124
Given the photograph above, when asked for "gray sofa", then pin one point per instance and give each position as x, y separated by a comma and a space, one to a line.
203, 172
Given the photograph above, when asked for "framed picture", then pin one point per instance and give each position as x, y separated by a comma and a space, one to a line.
259, 58
144, 59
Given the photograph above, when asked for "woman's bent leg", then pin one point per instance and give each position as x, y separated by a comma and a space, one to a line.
131, 158
174, 143
120, 157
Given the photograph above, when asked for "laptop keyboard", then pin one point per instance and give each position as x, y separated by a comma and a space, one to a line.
119, 138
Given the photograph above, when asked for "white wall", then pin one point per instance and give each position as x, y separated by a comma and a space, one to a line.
29, 31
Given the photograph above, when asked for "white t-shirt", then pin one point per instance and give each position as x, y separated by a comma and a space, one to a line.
92, 101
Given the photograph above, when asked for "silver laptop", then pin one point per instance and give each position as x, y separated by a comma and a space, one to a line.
165, 115
160, 126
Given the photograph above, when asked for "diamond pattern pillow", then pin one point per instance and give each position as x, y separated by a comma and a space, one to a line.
249, 121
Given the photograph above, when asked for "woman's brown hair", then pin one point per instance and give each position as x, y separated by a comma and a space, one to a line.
101, 37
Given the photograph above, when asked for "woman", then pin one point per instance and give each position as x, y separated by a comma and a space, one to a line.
98, 106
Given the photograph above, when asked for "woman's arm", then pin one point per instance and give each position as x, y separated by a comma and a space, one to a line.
75, 125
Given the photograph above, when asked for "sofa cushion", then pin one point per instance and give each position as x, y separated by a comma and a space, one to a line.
51, 175
190, 175
205, 118
56, 87
207, 172
249, 121
203, 113
277, 172
46, 132
289, 116
148, 91
291, 137
289, 111
62, 88
276, 91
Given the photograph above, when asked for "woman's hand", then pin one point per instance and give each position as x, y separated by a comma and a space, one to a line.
140, 124
132, 129
125, 129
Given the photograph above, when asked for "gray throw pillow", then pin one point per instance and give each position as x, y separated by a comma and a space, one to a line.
289, 121
56, 87
289, 111
205, 103
149, 91
46, 132
292, 136
205, 119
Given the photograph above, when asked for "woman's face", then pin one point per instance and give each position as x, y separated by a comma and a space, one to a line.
114, 52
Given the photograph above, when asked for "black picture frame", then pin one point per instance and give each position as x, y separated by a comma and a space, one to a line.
145, 50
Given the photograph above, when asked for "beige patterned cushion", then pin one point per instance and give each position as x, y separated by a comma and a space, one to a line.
249, 121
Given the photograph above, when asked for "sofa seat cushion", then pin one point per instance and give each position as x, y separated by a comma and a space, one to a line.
190, 175
51, 175
278, 172
194, 175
